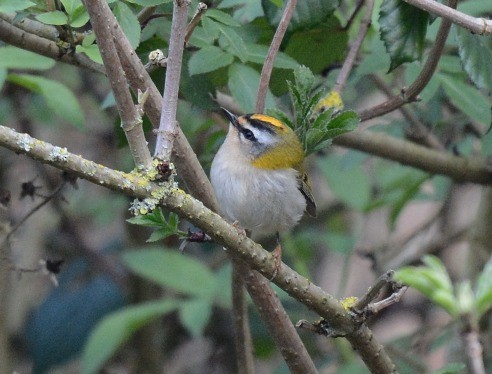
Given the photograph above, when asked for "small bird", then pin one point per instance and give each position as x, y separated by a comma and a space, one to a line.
258, 177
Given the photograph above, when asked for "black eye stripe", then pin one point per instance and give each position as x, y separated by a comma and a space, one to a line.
260, 125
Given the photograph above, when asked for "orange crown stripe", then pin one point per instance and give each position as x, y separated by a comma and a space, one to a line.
271, 120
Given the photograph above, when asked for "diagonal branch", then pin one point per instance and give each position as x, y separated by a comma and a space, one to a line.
411, 93
222, 232
131, 119
266, 71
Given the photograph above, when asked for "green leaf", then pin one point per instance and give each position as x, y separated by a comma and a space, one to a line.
149, 2
467, 98
171, 269
209, 59
79, 17
307, 14
117, 328
243, 84
92, 51
9, 6
403, 29
453, 368
465, 297
56, 17
153, 219
484, 290
257, 54
476, 56
128, 22
160, 234
409, 193
194, 315
319, 47
349, 184
222, 17
233, 43
16, 58
68, 108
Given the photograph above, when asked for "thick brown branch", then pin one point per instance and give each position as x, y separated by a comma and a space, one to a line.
379, 144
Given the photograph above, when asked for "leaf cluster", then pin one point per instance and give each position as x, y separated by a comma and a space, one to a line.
315, 125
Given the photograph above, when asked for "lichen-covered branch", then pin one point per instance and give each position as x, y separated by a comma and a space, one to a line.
221, 231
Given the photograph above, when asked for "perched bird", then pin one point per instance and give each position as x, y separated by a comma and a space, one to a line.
258, 177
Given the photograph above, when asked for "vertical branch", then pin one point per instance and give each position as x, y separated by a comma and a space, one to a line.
131, 120
242, 333
266, 71
168, 124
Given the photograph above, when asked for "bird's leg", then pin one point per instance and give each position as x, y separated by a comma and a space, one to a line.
277, 257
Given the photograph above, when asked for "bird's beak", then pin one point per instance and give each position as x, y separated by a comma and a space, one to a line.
232, 118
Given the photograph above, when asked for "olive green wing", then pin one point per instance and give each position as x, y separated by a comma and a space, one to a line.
305, 188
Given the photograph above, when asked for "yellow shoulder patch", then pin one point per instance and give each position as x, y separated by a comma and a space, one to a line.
271, 120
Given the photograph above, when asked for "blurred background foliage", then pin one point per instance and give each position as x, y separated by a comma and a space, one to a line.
156, 308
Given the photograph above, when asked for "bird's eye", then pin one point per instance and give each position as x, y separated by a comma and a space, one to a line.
248, 134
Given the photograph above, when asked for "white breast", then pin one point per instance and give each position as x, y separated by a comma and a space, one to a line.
263, 201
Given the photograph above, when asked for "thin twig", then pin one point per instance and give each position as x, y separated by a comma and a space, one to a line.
168, 123
266, 71
200, 11
354, 49
19, 224
473, 347
131, 119
411, 93
417, 131
374, 290
480, 26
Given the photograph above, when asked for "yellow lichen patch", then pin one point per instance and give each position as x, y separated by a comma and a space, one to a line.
349, 302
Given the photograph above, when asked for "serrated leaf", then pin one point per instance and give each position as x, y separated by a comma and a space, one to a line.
467, 98
209, 59
117, 328
128, 22
243, 84
8, 6
233, 43
476, 56
257, 54
194, 315
56, 17
68, 108
16, 58
153, 219
484, 290
222, 17
160, 234
403, 29
171, 269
